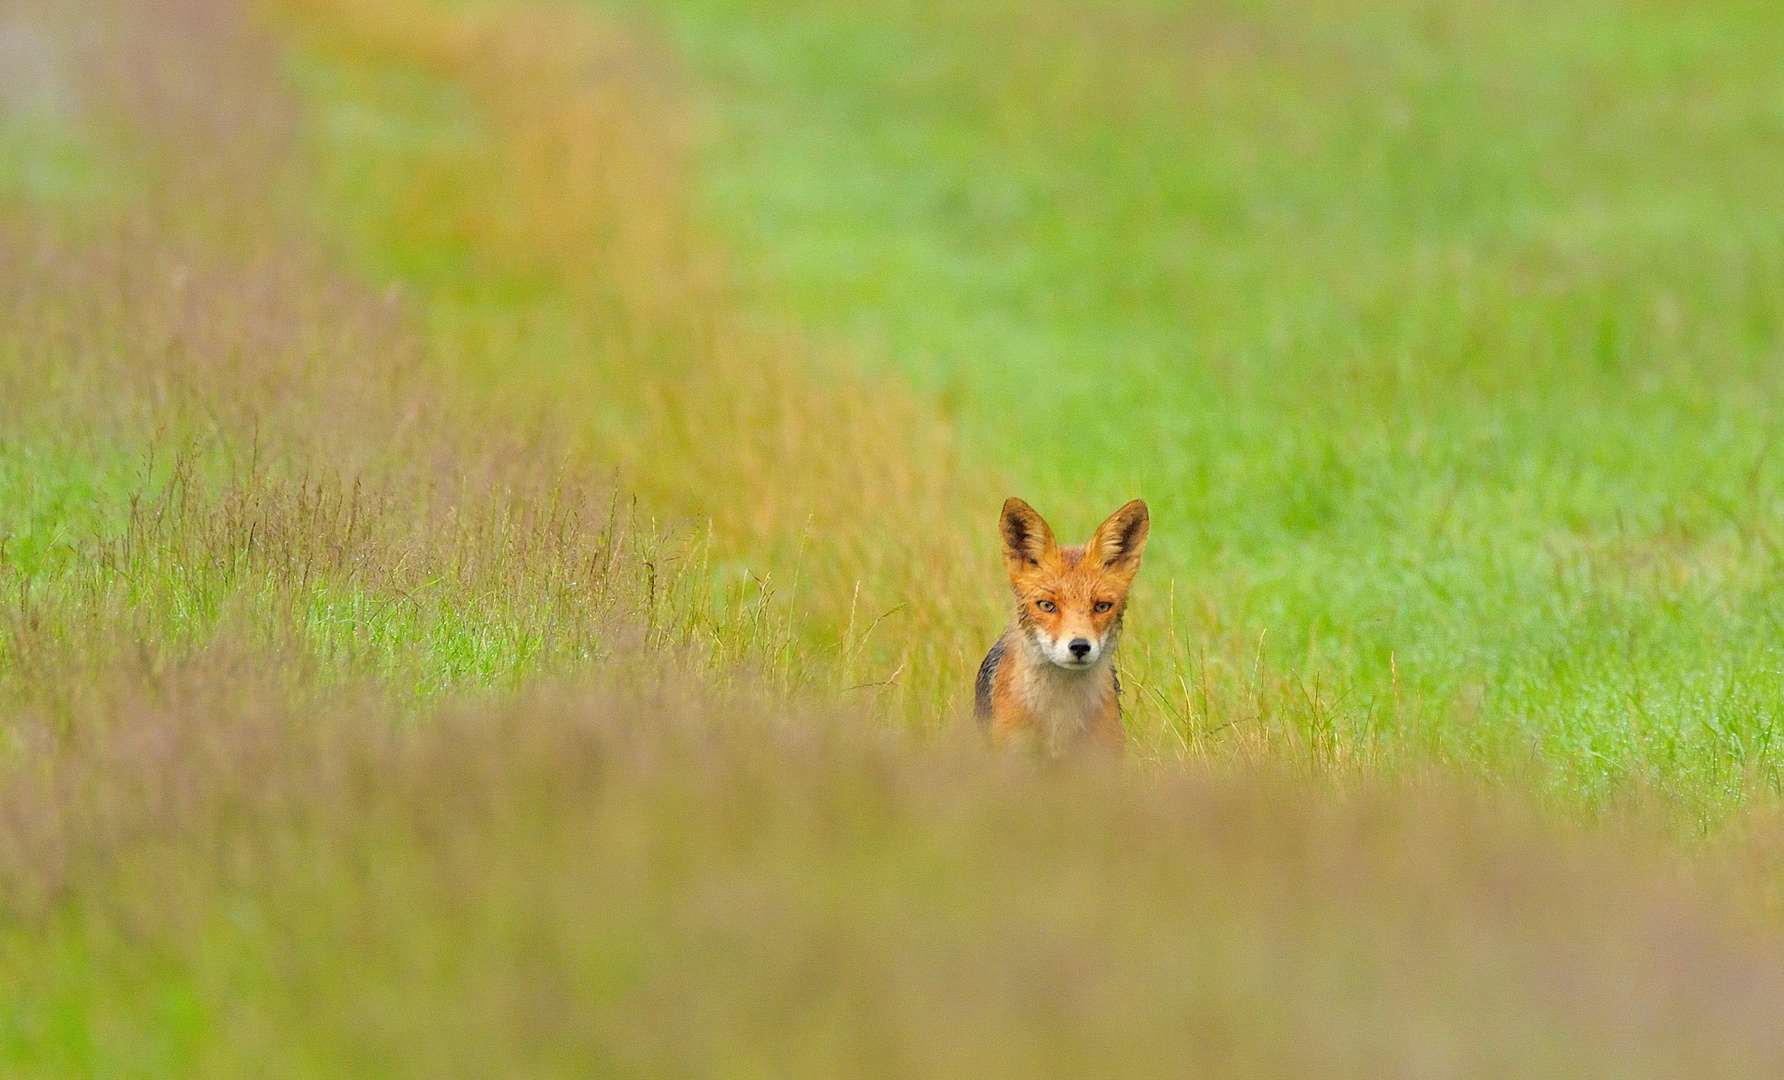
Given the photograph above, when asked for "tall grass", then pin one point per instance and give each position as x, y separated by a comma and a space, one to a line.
206, 880
548, 224
199, 446
235, 433
447, 629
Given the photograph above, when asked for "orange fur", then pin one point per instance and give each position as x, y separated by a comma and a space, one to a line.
1050, 681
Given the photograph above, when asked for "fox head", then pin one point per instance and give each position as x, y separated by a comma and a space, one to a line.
1069, 601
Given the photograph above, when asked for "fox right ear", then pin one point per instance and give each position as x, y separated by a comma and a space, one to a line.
1119, 541
1027, 541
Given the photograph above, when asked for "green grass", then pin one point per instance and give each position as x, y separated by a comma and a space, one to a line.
1441, 337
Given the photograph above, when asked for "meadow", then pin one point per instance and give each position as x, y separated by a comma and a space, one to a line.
497, 522
1441, 337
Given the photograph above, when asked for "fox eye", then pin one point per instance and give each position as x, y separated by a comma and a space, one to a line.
1102, 606
1047, 606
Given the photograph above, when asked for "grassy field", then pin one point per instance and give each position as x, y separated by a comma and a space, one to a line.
1442, 338
497, 523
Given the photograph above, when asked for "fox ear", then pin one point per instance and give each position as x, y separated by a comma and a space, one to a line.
1118, 542
1027, 541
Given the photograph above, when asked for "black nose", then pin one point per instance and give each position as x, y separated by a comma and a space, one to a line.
1080, 648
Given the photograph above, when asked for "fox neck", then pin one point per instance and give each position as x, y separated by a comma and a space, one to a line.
1063, 700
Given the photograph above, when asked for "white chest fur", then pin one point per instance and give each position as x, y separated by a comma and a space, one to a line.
1063, 701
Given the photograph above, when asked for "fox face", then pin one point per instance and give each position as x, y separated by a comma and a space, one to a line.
1069, 601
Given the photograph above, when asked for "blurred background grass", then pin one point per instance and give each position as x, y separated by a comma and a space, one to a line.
496, 529
1442, 338
1382, 308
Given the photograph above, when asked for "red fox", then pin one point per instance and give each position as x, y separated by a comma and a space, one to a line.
1050, 681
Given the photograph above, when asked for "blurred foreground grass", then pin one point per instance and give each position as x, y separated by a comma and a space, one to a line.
645, 881
450, 624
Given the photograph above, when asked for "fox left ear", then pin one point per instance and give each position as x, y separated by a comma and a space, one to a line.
1027, 540
1118, 542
